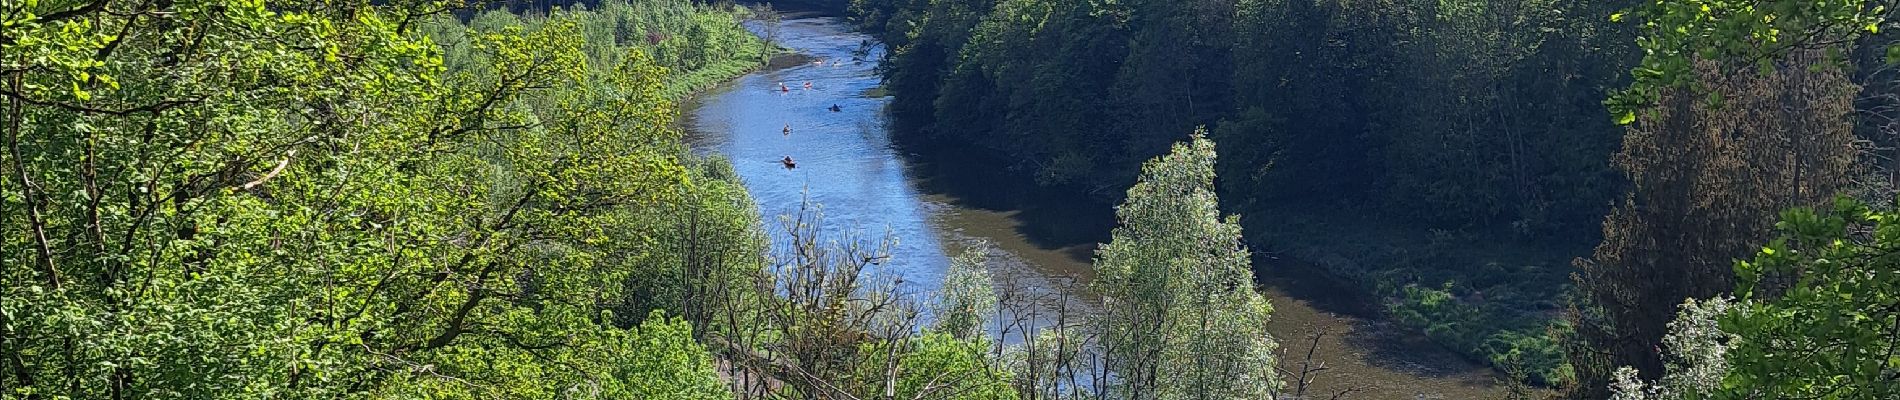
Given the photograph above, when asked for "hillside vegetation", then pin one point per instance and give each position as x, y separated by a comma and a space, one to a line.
246, 199
435, 199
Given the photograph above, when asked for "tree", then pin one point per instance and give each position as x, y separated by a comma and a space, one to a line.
666, 363
1710, 164
923, 51
217, 199
935, 366
1698, 361
1679, 36
827, 326
1176, 76
1181, 319
967, 301
1830, 334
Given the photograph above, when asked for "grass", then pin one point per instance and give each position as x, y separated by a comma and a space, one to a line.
1492, 297
681, 85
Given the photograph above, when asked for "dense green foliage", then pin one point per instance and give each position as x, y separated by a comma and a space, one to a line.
1780, 141
1393, 144
1739, 110
1740, 35
214, 199
1828, 334
1400, 106
252, 200
666, 363
938, 366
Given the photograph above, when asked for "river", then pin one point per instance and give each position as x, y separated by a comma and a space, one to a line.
867, 188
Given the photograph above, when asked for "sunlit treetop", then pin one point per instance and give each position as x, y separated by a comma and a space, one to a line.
1739, 34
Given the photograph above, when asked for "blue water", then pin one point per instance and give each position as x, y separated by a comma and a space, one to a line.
846, 166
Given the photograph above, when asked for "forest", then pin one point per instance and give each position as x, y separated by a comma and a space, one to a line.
1666, 199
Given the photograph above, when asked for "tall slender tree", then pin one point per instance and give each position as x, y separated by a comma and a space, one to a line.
1181, 318
1707, 181
1713, 152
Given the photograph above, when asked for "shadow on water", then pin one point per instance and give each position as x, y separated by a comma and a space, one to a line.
1304, 281
1375, 352
1361, 350
1049, 217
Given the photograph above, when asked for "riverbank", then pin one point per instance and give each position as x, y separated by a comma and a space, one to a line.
1370, 358
690, 83
751, 54
1491, 302
1360, 350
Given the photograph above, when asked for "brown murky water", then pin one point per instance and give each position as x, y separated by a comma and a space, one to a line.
846, 163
